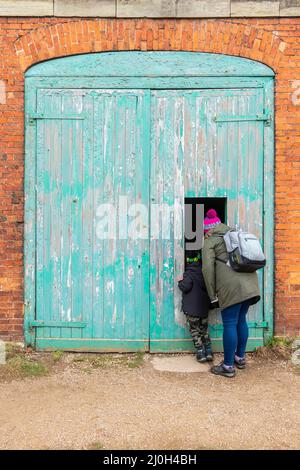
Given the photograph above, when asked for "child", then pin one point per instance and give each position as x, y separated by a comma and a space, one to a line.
195, 305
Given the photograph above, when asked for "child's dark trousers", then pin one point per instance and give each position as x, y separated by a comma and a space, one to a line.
199, 330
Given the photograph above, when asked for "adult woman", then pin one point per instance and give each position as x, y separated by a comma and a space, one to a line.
232, 291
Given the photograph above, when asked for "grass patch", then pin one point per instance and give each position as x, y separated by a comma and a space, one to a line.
13, 349
297, 370
21, 367
137, 360
57, 355
79, 359
95, 446
276, 348
275, 342
24, 362
90, 361
95, 361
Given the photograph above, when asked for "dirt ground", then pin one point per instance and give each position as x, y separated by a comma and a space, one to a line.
123, 402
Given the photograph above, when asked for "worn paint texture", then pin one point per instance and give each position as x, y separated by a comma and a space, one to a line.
150, 147
25, 42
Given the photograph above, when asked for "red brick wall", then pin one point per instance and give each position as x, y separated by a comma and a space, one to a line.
273, 41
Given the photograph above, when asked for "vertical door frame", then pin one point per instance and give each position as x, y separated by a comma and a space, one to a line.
212, 71
268, 202
30, 214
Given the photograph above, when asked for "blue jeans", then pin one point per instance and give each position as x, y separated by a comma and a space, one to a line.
235, 331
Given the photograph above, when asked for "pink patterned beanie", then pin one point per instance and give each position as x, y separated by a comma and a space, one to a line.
211, 220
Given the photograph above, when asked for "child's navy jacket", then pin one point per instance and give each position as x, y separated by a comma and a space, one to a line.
195, 300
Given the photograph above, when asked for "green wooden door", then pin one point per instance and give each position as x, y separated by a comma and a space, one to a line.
205, 143
137, 131
92, 278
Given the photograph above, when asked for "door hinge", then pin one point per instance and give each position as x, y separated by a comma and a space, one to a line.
262, 324
266, 117
32, 118
57, 324
31, 121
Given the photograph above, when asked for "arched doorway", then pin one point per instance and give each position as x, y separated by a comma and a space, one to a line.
109, 136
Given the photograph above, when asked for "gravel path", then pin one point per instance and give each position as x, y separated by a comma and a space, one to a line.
144, 408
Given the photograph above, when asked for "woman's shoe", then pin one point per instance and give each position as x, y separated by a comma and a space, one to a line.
224, 371
240, 363
200, 355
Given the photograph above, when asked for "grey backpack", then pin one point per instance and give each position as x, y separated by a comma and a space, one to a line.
245, 253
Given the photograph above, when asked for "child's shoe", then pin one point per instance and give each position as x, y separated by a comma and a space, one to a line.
200, 355
220, 369
208, 352
240, 362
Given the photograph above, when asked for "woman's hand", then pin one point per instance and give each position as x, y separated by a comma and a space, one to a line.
208, 234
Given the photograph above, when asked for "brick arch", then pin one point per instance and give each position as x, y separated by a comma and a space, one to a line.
103, 35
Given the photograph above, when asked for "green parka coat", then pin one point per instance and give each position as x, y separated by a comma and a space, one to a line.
229, 286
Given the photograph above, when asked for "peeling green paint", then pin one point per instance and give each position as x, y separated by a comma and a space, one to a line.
166, 126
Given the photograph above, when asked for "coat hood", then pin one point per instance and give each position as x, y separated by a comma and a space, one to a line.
220, 229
